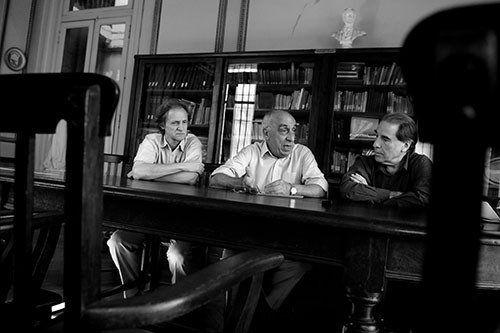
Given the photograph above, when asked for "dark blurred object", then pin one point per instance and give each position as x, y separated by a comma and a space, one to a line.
450, 62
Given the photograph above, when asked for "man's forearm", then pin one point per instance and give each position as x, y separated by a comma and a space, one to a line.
311, 190
183, 177
150, 171
221, 180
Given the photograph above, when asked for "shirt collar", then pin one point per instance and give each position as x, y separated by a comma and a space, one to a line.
403, 164
265, 151
181, 146
405, 161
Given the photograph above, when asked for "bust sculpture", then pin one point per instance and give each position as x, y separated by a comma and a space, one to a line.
348, 34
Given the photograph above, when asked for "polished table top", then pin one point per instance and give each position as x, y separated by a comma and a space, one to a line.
311, 211
315, 211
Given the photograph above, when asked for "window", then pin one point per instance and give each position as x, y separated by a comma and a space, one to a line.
77, 5
93, 37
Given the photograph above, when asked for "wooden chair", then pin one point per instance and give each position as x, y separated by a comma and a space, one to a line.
113, 164
52, 97
46, 230
450, 61
205, 176
87, 101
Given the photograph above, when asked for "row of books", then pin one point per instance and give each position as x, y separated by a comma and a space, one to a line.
350, 101
371, 101
197, 76
383, 75
200, 112
292, 75
299, 100
398, 103
343, 160
302, 134
371, 74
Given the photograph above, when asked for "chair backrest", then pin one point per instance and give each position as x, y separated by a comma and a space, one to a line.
205, 175
113, 164
35, 103
242, 273
450, 61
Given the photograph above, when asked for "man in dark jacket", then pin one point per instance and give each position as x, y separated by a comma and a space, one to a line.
395, 174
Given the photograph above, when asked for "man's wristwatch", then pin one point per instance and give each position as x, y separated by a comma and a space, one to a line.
293, 190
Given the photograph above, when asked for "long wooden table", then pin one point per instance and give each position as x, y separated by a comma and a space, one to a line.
371, 243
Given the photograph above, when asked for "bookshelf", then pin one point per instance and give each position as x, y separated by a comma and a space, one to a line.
228, 94
189, 77
365, 85
256, 83
337, 97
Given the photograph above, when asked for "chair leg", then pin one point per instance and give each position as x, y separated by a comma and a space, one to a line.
44, 250
6, 266
240, 308
152, 262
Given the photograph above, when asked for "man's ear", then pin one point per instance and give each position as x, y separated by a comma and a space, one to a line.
265, 131
406, 146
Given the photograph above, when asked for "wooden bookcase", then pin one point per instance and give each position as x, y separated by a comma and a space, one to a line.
333, 94
255, 83
194, 78
365, 85
222, 85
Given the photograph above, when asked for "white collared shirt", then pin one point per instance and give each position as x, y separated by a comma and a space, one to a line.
155, 149
300, 167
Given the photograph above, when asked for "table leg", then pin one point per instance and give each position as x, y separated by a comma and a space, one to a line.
361, 318
365, 259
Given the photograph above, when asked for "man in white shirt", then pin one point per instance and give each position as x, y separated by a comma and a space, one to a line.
173, 155
276, 166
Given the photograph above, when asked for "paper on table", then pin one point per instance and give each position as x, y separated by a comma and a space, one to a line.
488, 214
282, 195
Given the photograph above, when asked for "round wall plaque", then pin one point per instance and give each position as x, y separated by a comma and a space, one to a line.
15, 59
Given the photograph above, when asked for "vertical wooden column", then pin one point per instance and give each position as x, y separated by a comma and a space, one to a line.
83, 207
364, 278
23, 231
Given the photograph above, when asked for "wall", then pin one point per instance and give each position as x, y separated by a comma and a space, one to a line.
189, 25
16, 30
14, 36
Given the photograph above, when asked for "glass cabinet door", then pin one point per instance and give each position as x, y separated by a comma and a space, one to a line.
254, 87
191, 82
